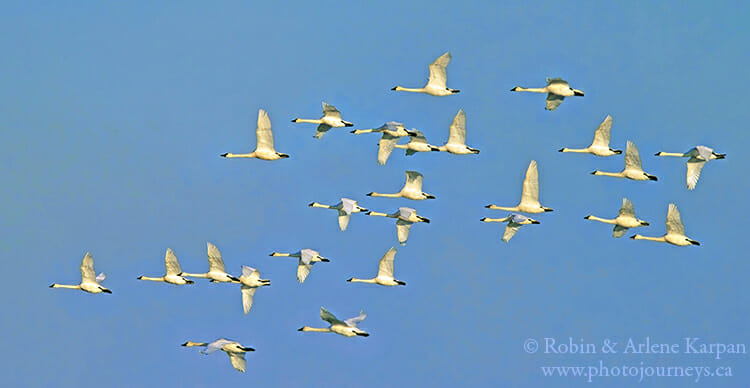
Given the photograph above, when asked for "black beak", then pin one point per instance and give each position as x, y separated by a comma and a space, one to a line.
369, 194
482, 219
224, 155
300, 329
310, 204
593, 172
349, 280
324, 260
348, 124
139, 277
283, 155
430, 196
423, 219
184, 344
247, 349
653, 178
294, 121
587, 217
560, 150
578, 93
535, 222
363, 334
694, 242
514, 89
106, 291
394, 88
720, 156
411, 133
618, 152
632, 237
644, 223
234, 278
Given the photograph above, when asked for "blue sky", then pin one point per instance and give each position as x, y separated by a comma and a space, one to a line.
113, 116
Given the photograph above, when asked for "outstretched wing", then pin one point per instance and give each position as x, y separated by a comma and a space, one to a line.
250, 272
328, 317
87, 269
419, 138
352, 322
510, 230
385, 267
438, 76
551, 81
343, 220
694, 167
238, 361
457, 134
619, 231
413, 181
385, 147
331, 111
100, 278
322, 129
674, 223
303, 270
632, 157
627, 208
215, 262
601, 135
553, 101
263, 131
170, 261
402, 230
247, 297
216, 345
530, 190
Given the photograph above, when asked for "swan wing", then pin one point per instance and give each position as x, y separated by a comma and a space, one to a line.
216, 345
674, 223
303, 270
551, 81
352, 322
238, 361
530, 190
553, 101
601, 135
402, 230
322, 129
331, 111
328, 317
632, 157
247, 298
694, 167
385, 146
457, 134
100, 278
263, 132
87, 269
627, 208
385, 267
215, 262
250, 272
413, 181
343, 220
510, 231
171, 263
419, 138
438, 76
619, 231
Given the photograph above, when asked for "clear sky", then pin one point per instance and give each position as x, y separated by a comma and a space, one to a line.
113, 116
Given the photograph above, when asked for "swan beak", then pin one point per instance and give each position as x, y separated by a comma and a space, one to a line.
482, 219
587, 217
295, 120
348, 124
488, 206
535, 222
301, 328
411, 133
515, 89
633, 237
594, 172
310, 204
184, 344
363, 334
394, 88
234, 278
653, 178
283, 156
139, 277
546, 209
367, 213
224, 155
720, 156
369, 194
694, 242
644, 223
430, 196
455, 91
323, 259
561, 150
424, 219
618, 152
349, 280
658, 153
247, 349
364, 210
52, 285
107, 291
578, 93
353, 131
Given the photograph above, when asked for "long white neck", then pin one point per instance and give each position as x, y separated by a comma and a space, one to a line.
670, 154
581, 151
358, 131
487, 219
604, 220
381, 214
315, 204
403, 89
196, 275
510, 209
190, 343
401, 146
639, 237
76, 287
161, 279
231, 155
395, 195
614, 174
308, 121
279, 254
316, 329
533, 90
355, 280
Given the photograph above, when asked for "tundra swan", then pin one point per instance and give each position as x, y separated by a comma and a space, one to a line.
234, 350
264, 145
529, 194
412, 189
391, 131
216, 271
625, 220
405, 217
457, 137
557, 89
515, 221
89, 279
307, 257
345, 208
698, 155
331, 118
600, 145
438, 77
633, 169
417, 143
250, 281
174, 272
385, 272
675, 230
347, 328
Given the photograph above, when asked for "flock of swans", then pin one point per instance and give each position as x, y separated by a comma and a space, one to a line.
391, 133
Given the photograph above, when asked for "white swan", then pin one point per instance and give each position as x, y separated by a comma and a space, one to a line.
331, 118
385, 272
438, 77
515, 221
557, 89
264, 141
174, 272
216, 271
625, 219
457, 137
307, 257
345, 208
250, 282
600, 145
234, 350
405, 217
347, 328
529, 194
417, 143
633, 169
675, 230
89, 280
412, 189
392, 131
698, 155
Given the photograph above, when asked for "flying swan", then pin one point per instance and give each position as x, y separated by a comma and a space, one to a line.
89, 281
557, 89
385, 272
234, 350
412, 189
699, 155
250, 281
216, 271
529, 194
174, 272
264, 144
405, 217
307, 257
600, 145
457, 137
331, 118
633, 169
515, 221
347, 328
625, 220
438, 77
675, 230
345, 208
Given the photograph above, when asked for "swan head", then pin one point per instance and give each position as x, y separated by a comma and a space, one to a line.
295, 120
483, 219
301, 328
454, 91
429, 196
534, 221
561, 150
400, 283
633, 237
587, 217
246, 348
595, 172
349, 280
644, 223
282, 156
577, 92
719, 156
424, 219
515, 89
347, 124
370, 194
547, 209
140, 277
693, 242
106, 290
651, 177
617, 152
224, 155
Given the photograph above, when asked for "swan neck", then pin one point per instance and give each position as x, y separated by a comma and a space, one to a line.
671, 154
316, 329
533, 90
580, 151
639, 237
355, 280
76, 287
231, 155
604, 220
614, 174
395, 195
161, 279
196, 275
309, 121
510, 209
415, 90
